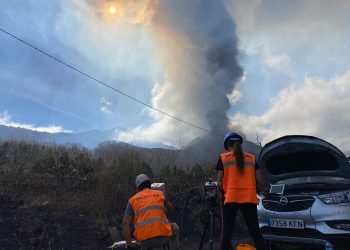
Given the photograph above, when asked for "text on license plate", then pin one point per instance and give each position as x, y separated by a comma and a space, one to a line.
287, 223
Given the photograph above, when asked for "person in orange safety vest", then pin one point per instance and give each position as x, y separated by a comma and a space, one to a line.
237, 179
147, 209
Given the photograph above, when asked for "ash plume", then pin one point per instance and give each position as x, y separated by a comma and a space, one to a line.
197, 51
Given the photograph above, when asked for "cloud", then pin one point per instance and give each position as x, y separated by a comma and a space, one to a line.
105, 105
318, 107
165, 131
234, 96
236, 93
279, 63
313, 34
6, 120
293, 21
271, 63
244, 13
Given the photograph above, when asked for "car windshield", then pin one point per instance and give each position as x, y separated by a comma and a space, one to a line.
315, 179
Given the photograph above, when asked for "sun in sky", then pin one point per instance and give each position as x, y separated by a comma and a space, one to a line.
113, 9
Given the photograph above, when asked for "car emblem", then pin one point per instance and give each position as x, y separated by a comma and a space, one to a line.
283, 201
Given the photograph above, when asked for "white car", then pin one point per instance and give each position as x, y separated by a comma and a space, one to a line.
308, 202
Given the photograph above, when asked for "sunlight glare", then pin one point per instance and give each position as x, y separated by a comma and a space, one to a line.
112, 10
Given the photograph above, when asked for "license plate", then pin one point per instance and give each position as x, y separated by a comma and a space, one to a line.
287, 223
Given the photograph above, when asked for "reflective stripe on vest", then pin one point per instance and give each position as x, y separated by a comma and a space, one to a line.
239, 186
145, 209
149, 215
227, 164
149, 221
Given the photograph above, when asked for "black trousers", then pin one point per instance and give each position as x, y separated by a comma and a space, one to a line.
250, 214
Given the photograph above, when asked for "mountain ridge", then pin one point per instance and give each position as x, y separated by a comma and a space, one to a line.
202, 150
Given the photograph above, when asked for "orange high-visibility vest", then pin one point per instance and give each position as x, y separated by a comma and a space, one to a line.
239, 187
149, 215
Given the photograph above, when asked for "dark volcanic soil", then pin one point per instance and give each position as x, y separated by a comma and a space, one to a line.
37, 227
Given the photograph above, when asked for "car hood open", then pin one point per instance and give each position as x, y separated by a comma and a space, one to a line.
299, 155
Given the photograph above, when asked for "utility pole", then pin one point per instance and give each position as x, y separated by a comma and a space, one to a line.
258, 142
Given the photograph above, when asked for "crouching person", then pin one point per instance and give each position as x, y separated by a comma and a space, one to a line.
148, 209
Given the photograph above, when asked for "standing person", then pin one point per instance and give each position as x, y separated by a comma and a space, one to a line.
147, 209
237, 178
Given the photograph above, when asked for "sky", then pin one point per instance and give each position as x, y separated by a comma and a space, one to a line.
266, 68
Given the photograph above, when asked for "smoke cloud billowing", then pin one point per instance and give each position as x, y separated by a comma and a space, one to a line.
197, 53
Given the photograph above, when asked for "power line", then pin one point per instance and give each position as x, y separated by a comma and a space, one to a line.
105, 84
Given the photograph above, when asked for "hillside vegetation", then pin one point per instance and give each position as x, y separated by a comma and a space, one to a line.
54, 197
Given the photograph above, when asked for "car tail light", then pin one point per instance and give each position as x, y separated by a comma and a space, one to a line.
335, 198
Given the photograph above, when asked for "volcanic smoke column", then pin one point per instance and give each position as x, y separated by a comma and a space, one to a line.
197, 53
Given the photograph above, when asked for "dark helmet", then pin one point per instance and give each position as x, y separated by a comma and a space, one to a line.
141, 178
231, 136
